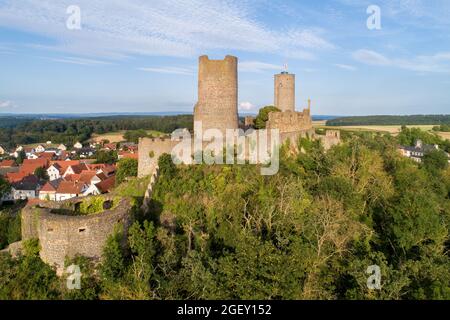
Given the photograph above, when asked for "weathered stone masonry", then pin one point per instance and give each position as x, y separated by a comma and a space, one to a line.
62, 236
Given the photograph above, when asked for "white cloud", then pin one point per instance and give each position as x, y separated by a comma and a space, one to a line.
371, 57
257, 66
345, 67
246, 106
158, 27
169, 70
81, 61
428, 64
6, 104
442, 56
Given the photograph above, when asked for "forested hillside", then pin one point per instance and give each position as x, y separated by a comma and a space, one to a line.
309, 232
69, 131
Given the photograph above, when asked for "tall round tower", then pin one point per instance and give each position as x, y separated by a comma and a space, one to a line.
217, 94
285, 91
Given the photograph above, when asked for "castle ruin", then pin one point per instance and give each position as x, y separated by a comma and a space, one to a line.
217, 109
64, 234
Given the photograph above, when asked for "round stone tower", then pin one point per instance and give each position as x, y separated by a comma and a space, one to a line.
285, 91
217, 94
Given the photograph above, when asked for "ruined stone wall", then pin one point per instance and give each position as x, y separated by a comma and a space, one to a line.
217, 94
285, 92
290, 121
66, 236
150, 149
330, 139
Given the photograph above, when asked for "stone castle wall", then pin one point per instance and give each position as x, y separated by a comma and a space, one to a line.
217, 93
66, 236
150, 149
285, 92
290, 121
330, 139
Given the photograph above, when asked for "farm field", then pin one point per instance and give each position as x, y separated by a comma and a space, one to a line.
394, 130
114, 137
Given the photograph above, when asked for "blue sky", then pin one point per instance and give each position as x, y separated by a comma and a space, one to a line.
141, 56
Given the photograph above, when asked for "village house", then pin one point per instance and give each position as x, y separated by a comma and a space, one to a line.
78, 145
48, 191
62, 147
101, 187
69, 189
110, 147
86, 152
40, 148
27, 188
57, 169
2, 150
418, 151
127, 155
8, 166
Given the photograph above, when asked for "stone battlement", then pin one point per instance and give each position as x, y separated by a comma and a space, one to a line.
290, 121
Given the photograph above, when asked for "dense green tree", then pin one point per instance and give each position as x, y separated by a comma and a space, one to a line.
5, 187
134, 135
435, 160
126, 168
41, 173
263, 116
109, 157
166, 166
20, 157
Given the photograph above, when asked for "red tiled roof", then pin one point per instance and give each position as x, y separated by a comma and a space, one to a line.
48, 187
63, 165
111, 146
102, 176
15, 176
106, 185
96, 166
85, 176
70, 187
72, 177
77, 169
7, 163
30, 165
129, 155
46, 155
109, 169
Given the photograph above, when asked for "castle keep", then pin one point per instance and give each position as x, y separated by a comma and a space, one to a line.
285, 92
217, 93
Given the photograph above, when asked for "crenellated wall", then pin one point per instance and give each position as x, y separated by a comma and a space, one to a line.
290, 121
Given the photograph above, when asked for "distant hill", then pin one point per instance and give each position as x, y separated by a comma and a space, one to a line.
390, 120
